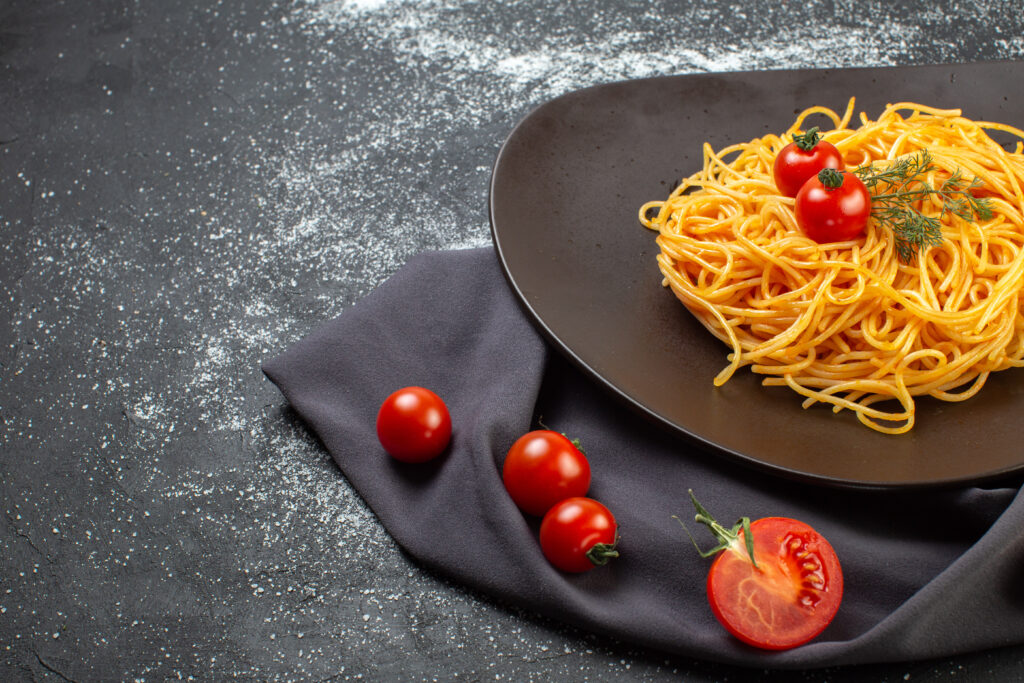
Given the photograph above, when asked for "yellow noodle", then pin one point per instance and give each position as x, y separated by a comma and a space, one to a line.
846, 323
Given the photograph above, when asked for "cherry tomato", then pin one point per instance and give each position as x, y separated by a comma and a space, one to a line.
802, 159
413, 425
833, 206
784, 600
792, 594
542, 468
578, 534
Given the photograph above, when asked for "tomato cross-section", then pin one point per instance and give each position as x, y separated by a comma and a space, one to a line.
789, 597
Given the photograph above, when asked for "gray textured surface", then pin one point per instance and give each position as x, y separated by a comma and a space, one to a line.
186, 190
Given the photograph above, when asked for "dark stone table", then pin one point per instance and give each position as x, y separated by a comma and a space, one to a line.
186, 190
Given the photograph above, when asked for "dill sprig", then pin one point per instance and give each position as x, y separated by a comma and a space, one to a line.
896, 189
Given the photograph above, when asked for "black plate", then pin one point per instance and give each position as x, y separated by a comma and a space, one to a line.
564, 196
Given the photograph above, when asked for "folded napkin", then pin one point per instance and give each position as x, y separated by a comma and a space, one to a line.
927, 573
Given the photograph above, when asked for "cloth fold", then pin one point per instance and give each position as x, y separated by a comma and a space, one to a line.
927, 573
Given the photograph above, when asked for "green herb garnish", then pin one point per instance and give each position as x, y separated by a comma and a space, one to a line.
896, 188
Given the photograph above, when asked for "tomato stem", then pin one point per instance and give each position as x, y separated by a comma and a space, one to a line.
600, 553
807, 141
574, 441
830, 178
726, 537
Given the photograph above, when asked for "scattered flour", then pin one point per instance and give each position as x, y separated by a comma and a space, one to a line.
369, 165
341, 214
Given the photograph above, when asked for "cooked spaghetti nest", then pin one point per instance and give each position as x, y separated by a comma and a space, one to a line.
847, 323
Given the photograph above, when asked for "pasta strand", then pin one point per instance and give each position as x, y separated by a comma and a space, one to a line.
847, 324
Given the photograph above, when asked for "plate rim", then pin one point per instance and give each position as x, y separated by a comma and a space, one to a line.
707, 446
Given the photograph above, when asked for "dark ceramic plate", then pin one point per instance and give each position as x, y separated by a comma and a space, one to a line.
565, 192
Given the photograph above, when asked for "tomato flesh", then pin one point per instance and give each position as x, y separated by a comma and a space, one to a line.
792, 594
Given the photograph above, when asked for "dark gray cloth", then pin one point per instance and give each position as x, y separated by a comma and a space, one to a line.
927, 573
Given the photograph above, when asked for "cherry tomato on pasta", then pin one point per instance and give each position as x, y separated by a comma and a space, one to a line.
578, 534
803, 159
779, 591
413, 425
543, 467
833, 206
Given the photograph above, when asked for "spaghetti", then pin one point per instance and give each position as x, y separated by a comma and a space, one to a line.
848, 323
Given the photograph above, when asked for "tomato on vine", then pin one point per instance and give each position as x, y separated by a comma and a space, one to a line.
579, 534
543, 467
413, 425
802, 159
775, 584
833, 206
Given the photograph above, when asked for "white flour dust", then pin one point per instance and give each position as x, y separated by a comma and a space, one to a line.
385, 116
609, 47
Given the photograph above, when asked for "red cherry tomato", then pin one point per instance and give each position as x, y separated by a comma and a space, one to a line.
792, 594
413, 425
803, 159
833, 206
578, 534
778, 590
542, 468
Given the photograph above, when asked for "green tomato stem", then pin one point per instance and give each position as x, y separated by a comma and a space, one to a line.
830, 178
600, 553
727, 538
807, 141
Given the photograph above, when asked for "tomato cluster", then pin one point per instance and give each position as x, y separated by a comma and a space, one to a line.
545, 473
548, 476
774, 566
832, 205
